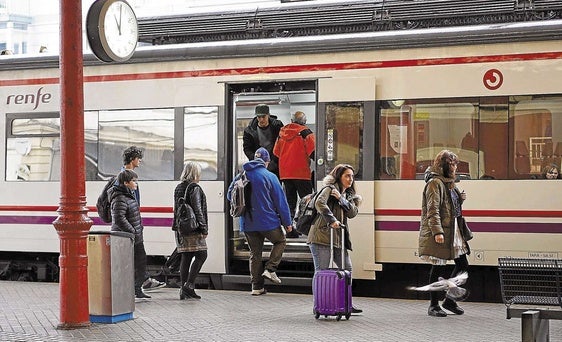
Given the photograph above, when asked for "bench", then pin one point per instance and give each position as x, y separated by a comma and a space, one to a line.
531, 290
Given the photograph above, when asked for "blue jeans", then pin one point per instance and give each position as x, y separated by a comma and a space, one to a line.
321, 257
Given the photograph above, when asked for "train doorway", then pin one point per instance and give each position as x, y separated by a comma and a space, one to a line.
283, 98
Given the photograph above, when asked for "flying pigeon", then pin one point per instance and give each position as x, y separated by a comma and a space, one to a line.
451, 286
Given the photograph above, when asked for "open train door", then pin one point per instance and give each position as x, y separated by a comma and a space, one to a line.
346, 135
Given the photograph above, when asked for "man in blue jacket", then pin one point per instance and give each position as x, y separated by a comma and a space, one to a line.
263, 219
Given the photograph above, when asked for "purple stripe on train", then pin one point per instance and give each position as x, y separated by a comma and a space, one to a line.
147, 222
489, 227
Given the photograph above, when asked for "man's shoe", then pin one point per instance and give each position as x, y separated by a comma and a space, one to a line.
152, 284
356, 310
258, 292
436, 311
452, 306
271, 276
141, 295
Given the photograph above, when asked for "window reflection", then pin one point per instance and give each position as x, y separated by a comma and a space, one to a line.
201, 139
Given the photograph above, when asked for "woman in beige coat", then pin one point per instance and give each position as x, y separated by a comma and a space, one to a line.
336, 202
440, 238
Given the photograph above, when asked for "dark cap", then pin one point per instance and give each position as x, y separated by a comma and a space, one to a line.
262, 109
262, 154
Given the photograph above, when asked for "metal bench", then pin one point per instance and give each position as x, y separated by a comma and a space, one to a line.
531, 290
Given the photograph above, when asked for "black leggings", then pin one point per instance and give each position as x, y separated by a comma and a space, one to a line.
189, 274
461, 265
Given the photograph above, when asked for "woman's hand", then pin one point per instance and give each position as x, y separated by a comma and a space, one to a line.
463, 195
439, 238
336, 194
335, 224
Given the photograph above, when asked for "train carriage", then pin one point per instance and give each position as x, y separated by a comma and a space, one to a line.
385, 110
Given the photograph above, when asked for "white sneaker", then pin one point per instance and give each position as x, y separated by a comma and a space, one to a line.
152, 284
271, 276
258, 292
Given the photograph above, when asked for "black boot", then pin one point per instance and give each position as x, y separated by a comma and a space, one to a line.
436, 311
188, 290
451, 305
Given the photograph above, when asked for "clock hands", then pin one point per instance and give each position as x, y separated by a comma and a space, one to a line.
118, 22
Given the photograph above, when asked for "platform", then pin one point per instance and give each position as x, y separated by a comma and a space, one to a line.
30, 312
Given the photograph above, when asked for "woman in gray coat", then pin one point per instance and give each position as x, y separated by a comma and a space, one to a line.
440, 238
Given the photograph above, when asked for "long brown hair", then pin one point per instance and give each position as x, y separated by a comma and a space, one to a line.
443, 161
338, 171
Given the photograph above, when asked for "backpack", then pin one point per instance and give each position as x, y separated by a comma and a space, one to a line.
103, 204
186, 221
306, 212
240, 196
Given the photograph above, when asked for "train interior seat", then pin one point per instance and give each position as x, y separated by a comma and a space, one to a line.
522, 159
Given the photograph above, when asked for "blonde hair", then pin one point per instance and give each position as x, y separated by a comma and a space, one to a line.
191, 172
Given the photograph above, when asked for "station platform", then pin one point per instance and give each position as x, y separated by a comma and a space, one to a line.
30, 312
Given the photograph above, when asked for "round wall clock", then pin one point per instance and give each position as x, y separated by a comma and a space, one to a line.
112, 30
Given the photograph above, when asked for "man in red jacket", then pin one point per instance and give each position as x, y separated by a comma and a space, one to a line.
295, 148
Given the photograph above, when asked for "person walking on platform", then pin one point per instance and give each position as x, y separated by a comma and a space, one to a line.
440, 238
125, 217
192, 247
336, 203
132, 158
262, 220
262, 131
295, 148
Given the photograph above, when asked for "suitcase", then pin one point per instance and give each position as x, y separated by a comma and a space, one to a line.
332, 288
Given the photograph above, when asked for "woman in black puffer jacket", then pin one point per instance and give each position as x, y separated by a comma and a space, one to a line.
125, 217
192, 247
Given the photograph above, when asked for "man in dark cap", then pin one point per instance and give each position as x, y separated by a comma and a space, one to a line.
262, 131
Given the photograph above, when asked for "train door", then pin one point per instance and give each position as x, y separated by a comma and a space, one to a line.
346, 135
283, 99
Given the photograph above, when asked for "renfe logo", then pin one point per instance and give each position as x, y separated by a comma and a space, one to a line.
23, 99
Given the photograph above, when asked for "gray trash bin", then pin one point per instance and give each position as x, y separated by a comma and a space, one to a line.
110, 276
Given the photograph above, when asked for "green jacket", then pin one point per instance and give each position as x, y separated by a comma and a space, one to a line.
331, 210
437, 216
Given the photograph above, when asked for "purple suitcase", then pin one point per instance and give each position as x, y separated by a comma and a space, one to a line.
332, 289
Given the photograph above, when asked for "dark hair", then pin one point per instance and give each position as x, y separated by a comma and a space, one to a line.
338, 171
443, 162
131, 153
126, 176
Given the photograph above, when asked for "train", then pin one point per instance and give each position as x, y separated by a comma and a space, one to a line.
489, 93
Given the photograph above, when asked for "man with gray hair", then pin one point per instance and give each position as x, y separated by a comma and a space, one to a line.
295, 148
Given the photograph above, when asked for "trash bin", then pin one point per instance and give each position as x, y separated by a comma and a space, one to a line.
110, 276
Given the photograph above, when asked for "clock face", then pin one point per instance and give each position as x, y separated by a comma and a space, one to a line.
112, 30
120, 29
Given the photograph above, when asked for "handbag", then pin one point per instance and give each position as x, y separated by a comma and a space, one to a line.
186, 222
465, 230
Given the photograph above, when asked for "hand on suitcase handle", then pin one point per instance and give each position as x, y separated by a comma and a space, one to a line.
337, 224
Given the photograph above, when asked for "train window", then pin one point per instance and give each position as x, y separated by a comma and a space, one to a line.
201, 139
537, 134
152, 130
33, 147
344, 134
414, 131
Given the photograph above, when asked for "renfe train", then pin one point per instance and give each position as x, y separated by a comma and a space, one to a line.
490, 93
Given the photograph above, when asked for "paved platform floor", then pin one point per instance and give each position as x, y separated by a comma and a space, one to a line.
30, 312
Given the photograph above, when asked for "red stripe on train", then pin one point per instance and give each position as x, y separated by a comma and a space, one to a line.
300, 68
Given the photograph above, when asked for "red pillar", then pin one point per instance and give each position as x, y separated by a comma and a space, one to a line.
73, 223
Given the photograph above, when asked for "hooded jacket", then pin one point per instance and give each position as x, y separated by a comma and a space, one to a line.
332, 210
125, 212
268, 208
251, 141
294, 147
437, 215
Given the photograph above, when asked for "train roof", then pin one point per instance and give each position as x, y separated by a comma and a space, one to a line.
318, 18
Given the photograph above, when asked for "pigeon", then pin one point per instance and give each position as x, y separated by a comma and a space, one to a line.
451, 286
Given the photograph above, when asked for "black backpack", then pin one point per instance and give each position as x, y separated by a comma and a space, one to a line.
306, 212
103, 204
240, 196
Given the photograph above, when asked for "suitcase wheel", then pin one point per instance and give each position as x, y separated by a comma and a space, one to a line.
316, 315
338, 317
347, 316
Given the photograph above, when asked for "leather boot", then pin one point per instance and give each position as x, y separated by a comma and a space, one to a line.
451, 305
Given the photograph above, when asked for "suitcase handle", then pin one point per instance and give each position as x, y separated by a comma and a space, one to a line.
341, 227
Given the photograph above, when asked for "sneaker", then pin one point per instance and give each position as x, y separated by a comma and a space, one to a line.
271, 276
258, 292
152, 284
355, 310
140, 295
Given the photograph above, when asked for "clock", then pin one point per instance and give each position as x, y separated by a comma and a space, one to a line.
112, 30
